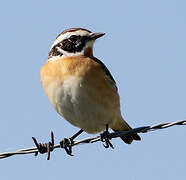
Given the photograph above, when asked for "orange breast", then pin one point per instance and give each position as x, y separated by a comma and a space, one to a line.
91, 101
54, 73
80, 67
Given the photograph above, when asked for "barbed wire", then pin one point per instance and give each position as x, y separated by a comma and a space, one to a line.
49, 147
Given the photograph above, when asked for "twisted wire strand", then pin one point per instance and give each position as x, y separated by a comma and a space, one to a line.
143, 129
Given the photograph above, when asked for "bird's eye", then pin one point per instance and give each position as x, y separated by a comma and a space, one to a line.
73, 38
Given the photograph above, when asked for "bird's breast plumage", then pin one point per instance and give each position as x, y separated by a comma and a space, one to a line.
79, 90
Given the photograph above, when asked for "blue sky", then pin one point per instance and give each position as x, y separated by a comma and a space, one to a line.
144, 48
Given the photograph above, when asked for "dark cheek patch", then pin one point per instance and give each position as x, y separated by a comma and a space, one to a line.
74, 46
68, 46
54, 52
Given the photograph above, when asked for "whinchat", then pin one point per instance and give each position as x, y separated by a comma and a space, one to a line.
80, 87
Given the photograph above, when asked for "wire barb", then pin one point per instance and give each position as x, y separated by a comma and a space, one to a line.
45, 147
50, 146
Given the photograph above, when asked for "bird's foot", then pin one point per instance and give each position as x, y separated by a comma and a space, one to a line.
105, 138
67, 144
45, 147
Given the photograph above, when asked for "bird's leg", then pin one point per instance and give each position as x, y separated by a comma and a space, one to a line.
105, 137
67, 143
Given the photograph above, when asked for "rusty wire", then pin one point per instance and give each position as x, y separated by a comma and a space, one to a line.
49, 147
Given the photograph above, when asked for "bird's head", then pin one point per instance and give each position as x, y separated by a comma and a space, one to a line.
74, 42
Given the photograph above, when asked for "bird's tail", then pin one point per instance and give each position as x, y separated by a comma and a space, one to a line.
123, 126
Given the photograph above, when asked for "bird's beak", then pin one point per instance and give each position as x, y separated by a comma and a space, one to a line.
94, 36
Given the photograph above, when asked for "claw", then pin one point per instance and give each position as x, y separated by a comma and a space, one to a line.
67, 145
105, 138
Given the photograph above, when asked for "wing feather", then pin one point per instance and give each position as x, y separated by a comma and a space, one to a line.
109, 78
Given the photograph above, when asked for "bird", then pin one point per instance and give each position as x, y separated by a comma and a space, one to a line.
80, 87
